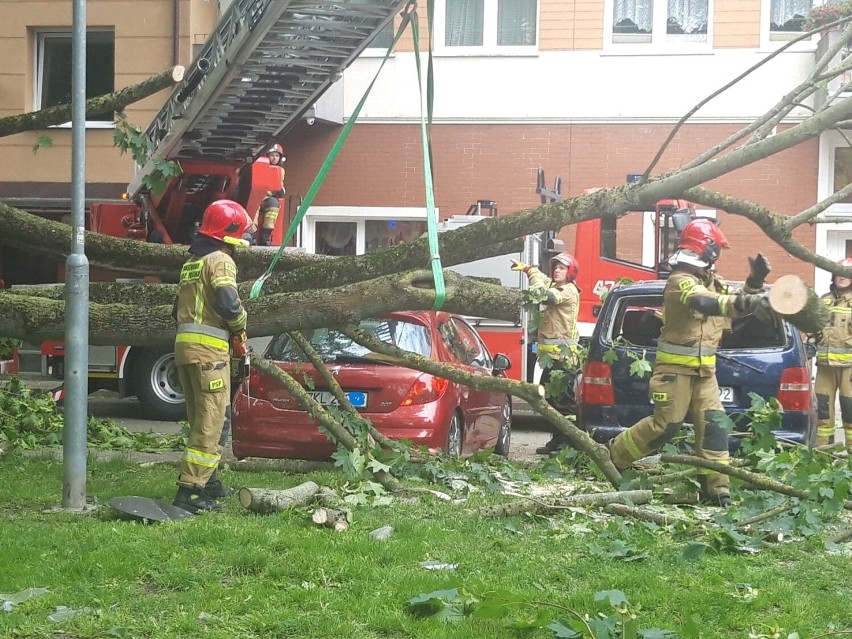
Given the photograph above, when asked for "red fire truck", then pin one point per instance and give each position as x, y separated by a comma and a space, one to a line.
256, 77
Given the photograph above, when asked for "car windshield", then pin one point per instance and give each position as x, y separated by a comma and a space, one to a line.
637, 321
334, 346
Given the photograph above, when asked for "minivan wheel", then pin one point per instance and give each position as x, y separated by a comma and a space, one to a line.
504, 437
454, 437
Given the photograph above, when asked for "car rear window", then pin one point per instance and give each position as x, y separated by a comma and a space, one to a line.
637, 321
333, 345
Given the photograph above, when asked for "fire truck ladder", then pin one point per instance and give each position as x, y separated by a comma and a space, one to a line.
267, 62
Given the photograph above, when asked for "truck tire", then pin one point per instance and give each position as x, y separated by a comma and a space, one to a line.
156, 383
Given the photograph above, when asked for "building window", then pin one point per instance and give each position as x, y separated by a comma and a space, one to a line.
660, 21
53, 69
788, 16
344, 230
843, 170
488, 24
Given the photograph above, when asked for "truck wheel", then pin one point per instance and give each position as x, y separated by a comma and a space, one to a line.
155, 380
504, 438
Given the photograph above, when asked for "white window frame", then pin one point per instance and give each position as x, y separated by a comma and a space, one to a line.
357, 214
38, 66
489, 34
658, 41
770, 40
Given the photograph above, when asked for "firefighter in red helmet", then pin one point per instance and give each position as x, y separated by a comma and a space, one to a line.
557, 333
834, 361
267, 212
211, 323
697, 307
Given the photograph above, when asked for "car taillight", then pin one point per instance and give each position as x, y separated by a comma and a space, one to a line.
425, 389
597, 384
795, 390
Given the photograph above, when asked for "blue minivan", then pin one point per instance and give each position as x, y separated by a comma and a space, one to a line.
769, 359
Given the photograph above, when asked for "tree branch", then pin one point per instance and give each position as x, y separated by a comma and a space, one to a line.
110, 103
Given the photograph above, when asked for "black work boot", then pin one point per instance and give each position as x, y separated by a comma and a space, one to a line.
216, 489
551, 447
195, 500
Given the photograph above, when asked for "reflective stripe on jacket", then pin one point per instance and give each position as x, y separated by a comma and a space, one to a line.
689, 339
835, 346
558, 325
199, 322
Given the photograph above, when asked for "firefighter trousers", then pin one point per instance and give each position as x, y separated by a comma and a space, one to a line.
206, 387
831, 380
674, 395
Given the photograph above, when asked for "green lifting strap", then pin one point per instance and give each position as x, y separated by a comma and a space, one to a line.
431, 216
326, 166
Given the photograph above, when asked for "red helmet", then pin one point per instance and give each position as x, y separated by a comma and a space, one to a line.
567, 260
704, 238
275, 148
225, 220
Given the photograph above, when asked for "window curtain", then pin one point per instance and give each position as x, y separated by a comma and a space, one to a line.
464, 23
687, 16
633, 16
516, 22
788, 15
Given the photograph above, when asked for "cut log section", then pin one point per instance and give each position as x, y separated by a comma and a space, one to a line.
797, 302
264, 500
331, 518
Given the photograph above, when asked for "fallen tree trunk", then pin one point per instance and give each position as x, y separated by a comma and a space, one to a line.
265, 500
643, 514
530, 505
135, 323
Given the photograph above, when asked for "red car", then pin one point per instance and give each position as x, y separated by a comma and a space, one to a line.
401, 402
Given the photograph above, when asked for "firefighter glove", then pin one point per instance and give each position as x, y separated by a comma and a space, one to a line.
239, 347
748, 303
759, 268
520, 266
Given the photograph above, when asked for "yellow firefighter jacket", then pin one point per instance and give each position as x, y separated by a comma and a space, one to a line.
558, 327
689, 339
835, 345
205, 323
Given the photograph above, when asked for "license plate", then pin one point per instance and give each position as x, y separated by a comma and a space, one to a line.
358, 399
726, 394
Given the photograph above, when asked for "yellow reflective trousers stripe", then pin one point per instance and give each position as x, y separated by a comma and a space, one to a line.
200, 458
206, 340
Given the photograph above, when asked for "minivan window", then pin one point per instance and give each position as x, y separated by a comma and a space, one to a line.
637, 321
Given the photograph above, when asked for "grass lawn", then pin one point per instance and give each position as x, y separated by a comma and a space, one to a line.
238, 575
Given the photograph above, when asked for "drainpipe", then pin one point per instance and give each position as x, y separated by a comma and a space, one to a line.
175, 32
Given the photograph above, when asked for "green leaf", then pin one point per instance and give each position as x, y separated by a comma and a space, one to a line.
42, 142
694, 551
615, 597
376, 466
563, 632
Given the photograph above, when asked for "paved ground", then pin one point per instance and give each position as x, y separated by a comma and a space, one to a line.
528, 431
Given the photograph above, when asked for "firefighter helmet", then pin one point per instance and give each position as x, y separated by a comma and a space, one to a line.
704, 238
846, 261
225, 220
275, 148
567, 260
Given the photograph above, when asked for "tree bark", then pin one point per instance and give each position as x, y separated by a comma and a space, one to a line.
631, 497
110, 103
264, 500
331, 518
139, 323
